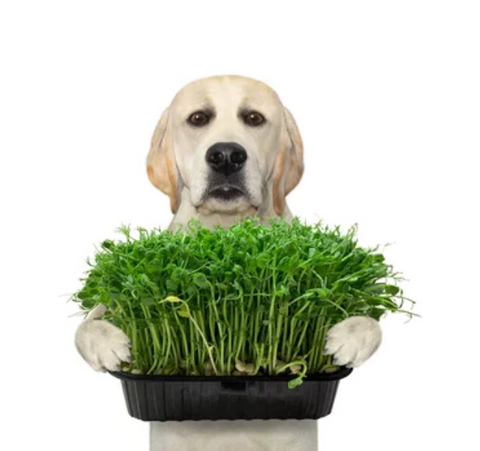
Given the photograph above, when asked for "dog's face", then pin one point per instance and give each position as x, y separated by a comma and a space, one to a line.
231, 142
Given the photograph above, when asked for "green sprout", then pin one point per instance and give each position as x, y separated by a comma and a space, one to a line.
252, 299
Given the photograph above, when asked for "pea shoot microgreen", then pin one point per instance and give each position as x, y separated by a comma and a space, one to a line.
251, 299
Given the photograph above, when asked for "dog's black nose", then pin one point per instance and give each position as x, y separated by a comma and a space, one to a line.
226, 158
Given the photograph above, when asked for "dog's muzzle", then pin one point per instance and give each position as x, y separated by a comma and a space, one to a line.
226, 161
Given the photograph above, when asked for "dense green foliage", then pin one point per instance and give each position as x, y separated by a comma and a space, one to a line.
250, 298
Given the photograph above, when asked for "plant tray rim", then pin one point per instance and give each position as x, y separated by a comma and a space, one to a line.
337, 375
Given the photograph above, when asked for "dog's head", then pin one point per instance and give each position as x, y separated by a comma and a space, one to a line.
231, 142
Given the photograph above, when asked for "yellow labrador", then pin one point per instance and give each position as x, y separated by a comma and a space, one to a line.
227, 148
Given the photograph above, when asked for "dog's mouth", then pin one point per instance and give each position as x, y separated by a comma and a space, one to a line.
226, 192
227, 199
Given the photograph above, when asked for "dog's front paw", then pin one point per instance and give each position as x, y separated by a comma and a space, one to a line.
353, 341
103, 345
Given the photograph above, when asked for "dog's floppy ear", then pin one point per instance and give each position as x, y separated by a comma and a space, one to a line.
289, 166
161, 166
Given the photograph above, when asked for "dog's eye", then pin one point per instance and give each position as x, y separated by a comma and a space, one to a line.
253, 118
199, 118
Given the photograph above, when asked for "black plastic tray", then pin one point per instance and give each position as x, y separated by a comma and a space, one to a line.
179, 398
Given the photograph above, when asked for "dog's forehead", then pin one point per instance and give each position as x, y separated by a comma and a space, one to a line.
234, 91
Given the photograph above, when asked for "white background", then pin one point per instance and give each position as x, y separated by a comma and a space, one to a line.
387, 97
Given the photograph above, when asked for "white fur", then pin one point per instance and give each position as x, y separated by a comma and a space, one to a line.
100, 343
352, 341
238, 435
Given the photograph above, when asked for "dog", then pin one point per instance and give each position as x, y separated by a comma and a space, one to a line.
225, 149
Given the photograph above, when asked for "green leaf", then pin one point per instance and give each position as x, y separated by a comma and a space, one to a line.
282, 290
108, 245
295, 382
191, 290
82, 295
263, 260
172, 286
200, 280
88, 304
323, 293
392, 289
145, 278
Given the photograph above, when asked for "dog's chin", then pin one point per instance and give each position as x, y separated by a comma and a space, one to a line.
227, 202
